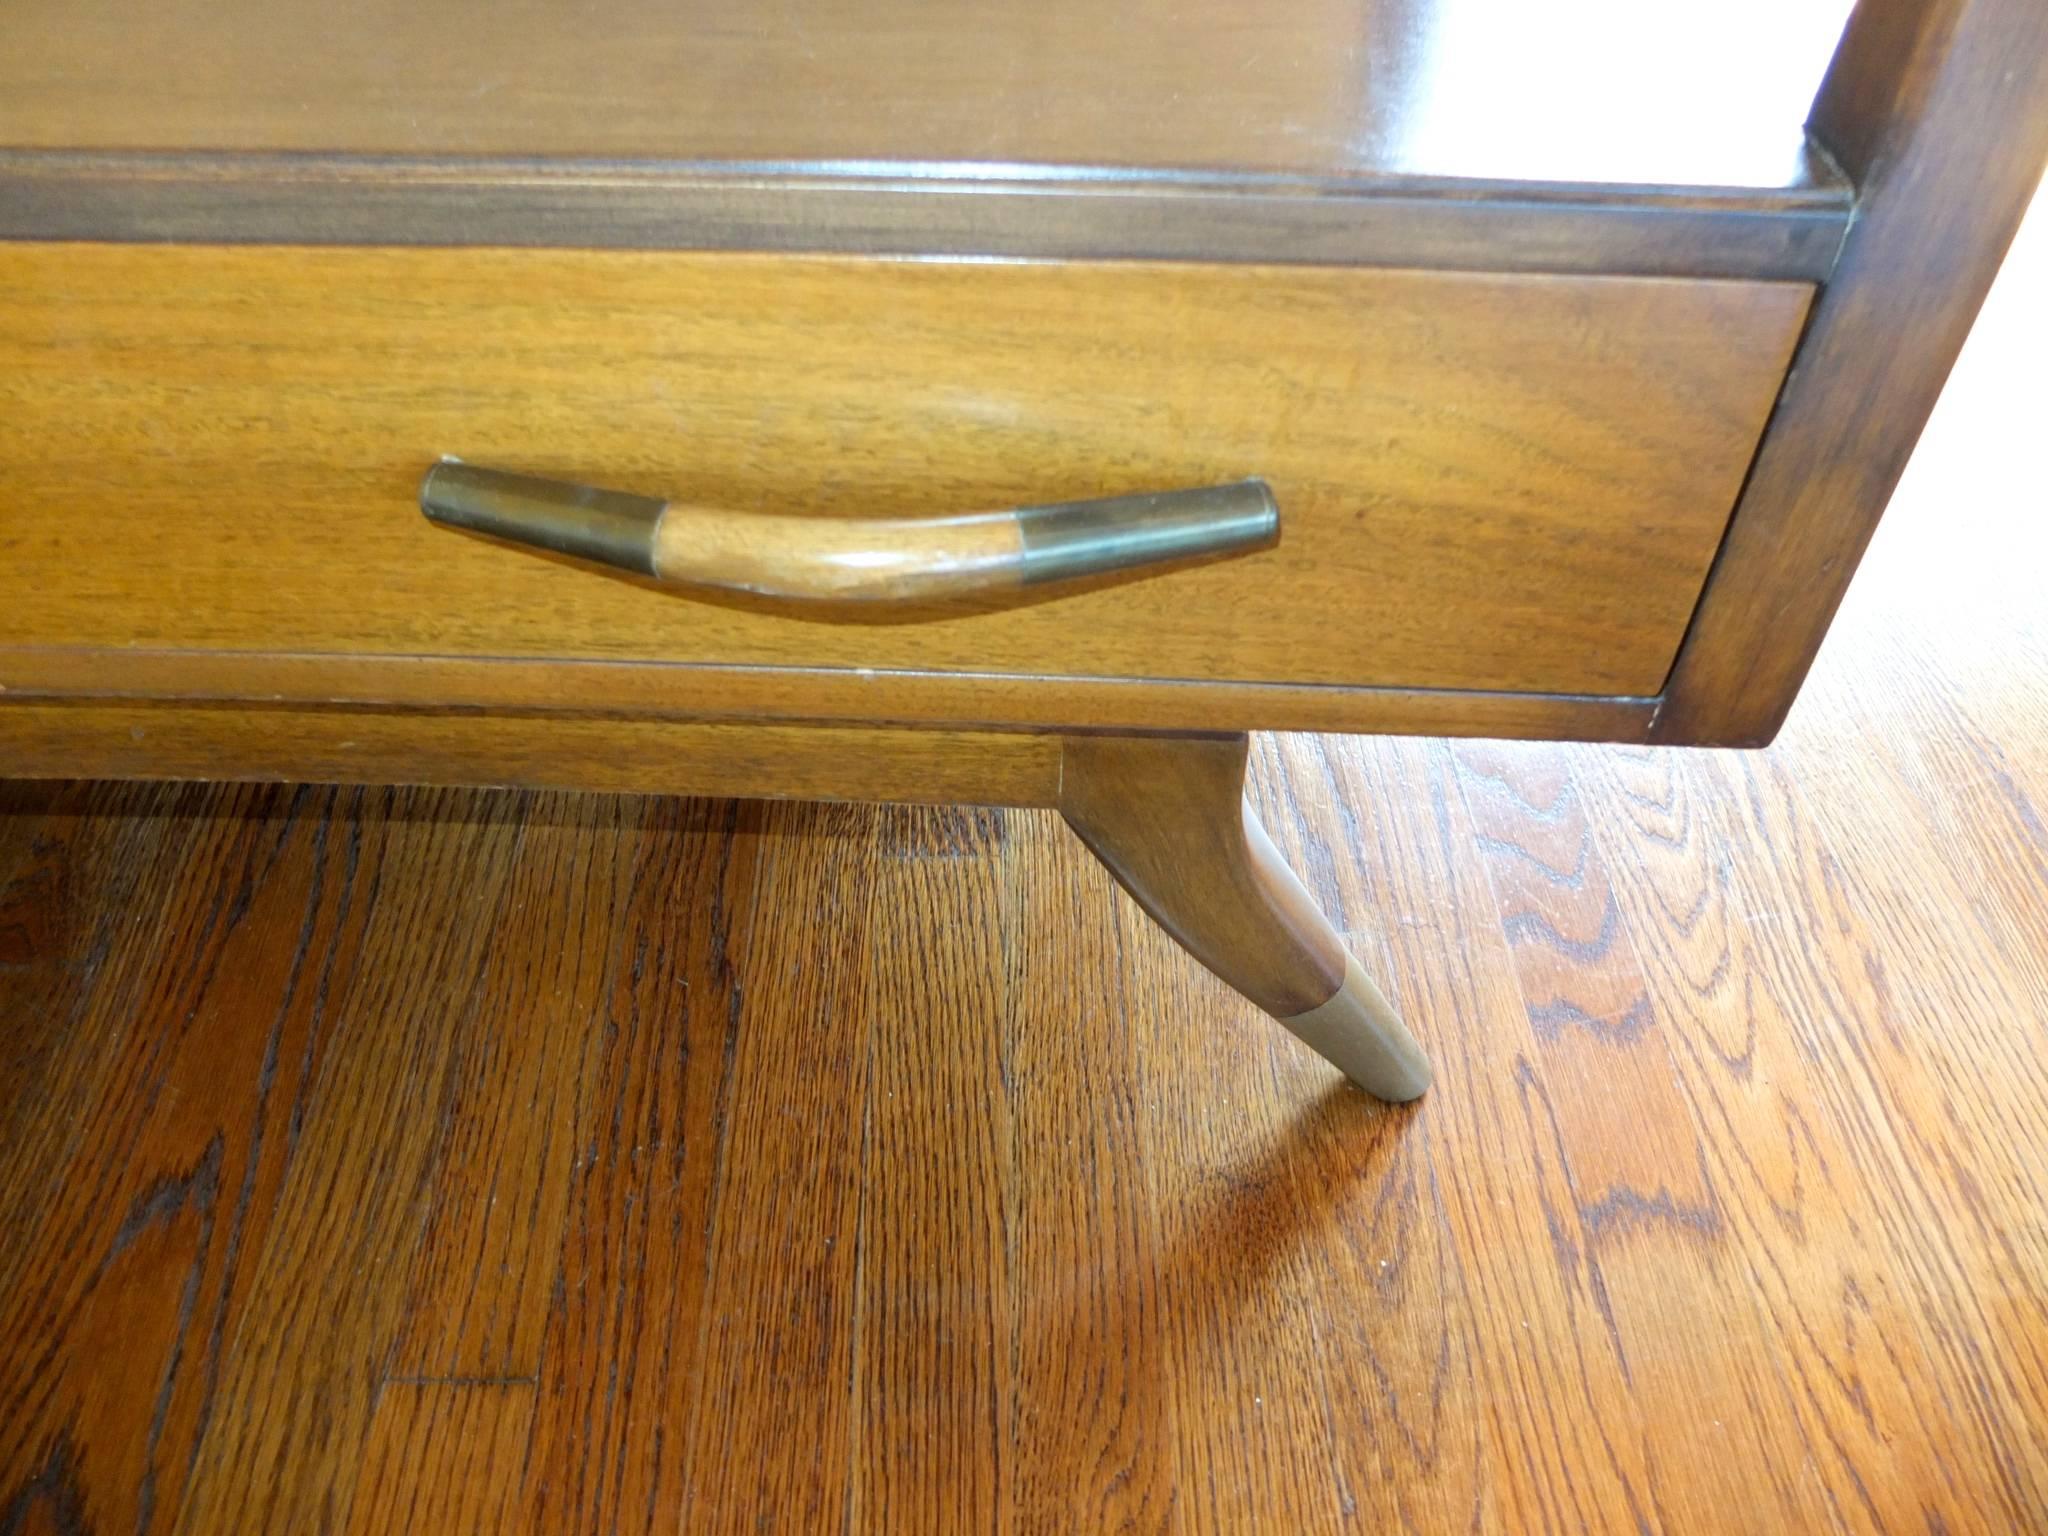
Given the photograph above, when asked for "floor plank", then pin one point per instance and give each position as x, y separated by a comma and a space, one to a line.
443, 1456
772, 1423
484, 1277
932, 1422
1087, 1388
300, 1374
146, 1182
620, 1375
1641, 1238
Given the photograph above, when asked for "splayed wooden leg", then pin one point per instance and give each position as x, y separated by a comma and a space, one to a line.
1169, 818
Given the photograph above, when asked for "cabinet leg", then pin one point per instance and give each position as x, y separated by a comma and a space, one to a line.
1169, 818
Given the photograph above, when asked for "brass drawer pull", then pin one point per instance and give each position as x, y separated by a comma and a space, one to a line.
860, 559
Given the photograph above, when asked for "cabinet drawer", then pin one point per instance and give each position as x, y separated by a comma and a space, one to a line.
1490, 482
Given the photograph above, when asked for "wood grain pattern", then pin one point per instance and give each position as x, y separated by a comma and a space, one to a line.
1399, 133
1527, 475
1313, 88
933, 1414
230, 994
918, 1175
443, 1455
905, 1143
621, 1358
1088, 1386
483, 1280
668, 757
1940, 111
792, 1200
1486, 1319
1724, 1215
353, 1223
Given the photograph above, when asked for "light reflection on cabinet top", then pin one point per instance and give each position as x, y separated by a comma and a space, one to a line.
1571, 92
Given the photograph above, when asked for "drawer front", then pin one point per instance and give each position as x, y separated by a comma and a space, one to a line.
1486, 482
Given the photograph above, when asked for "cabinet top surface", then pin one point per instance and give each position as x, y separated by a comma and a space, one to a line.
1577, 92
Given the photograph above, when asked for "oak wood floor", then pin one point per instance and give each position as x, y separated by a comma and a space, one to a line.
386, 1160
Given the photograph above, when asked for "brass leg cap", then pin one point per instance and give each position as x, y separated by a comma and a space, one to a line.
1358, 1031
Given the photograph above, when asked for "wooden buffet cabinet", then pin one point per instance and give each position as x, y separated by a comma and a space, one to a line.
1536, 372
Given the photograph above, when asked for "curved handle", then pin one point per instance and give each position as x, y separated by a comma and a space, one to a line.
854, 559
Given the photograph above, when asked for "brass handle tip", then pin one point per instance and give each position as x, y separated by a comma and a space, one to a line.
607, 527
1088, 538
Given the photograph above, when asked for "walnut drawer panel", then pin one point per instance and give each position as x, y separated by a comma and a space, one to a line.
1488, 482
